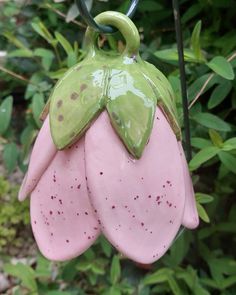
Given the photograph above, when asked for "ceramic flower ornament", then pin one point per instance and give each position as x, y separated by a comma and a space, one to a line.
108, 158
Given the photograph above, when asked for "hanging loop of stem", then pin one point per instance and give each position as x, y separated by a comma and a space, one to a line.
99, 27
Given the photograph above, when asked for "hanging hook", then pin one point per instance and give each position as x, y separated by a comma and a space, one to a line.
102, 28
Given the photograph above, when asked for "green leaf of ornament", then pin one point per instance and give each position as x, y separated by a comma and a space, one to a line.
77, 98
165, 95
131, 106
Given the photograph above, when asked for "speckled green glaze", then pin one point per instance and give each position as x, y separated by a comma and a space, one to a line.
126, 86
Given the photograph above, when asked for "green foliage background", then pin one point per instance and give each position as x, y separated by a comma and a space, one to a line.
43, 39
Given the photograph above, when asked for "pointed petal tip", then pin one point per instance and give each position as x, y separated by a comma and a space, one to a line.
190, 217
192, 222
145, 259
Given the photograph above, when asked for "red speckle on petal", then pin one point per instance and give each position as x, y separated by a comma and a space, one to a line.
67, 241
86, 213
142, 223
50, 212
78, 187
113, 207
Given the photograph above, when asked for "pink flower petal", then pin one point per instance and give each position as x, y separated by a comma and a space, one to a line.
190, 217
42, 154
139, 203
63, 221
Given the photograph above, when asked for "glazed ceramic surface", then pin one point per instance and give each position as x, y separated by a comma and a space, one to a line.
126, 86
108, 157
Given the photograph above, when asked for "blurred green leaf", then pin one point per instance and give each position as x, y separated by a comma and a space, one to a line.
46, 55
219, 94
216, 138
211, 121
42, 30
23, 272
64, 43
172, 55
229, 144
202, 213
37, 107
5, 114
228, 160
115, 270
10, 156
203, 198
203, 156
221, 67
195, 40
159, 276
20, 53
149, 5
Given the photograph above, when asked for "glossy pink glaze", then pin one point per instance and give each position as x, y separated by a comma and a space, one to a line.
139, 203
42, 154
190, 217
63, 221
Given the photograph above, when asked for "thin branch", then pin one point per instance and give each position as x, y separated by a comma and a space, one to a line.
15, 75
233, 56
64, 16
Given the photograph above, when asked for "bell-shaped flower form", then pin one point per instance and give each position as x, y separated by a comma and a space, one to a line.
108, 159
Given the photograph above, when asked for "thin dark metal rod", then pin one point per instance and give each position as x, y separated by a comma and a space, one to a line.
98, 27
179, 39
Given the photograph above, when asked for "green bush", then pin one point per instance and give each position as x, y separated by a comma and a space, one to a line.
41, 46
13, 216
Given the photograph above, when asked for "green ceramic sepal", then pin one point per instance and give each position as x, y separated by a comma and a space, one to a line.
77, 98
165, 95
131, 105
